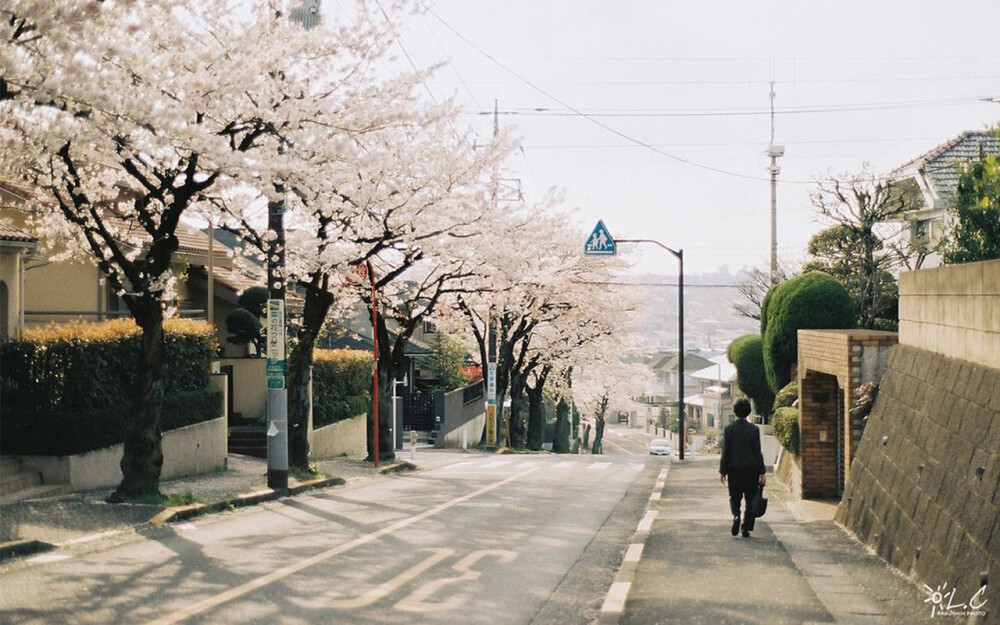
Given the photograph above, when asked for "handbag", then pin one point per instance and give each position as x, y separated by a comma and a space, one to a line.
758, 505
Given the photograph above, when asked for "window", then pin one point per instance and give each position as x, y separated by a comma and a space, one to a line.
429, 327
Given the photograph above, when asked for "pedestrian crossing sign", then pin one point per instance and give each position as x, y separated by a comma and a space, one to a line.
600, 243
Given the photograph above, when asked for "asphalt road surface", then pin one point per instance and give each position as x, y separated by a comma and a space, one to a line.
484, 539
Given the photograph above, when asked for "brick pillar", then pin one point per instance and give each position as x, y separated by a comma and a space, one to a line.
818, 435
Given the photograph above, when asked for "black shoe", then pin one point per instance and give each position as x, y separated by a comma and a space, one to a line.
746, 533
736, 525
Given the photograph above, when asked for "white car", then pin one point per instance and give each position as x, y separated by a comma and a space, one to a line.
659, 447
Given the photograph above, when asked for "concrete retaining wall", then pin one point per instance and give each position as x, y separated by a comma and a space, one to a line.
924, 491
953, 310
460, 421
188, 450
343, 438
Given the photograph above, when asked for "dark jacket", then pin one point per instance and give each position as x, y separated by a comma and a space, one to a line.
741, 448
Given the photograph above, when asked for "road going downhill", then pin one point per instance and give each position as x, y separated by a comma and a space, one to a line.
486, 539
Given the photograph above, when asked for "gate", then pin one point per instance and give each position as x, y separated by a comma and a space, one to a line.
418, 411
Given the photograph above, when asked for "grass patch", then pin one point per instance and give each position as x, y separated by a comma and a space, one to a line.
304, 475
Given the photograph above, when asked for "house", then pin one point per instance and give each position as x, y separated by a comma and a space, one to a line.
39, 291
711, 408
936, 175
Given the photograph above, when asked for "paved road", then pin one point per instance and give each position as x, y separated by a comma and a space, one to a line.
487, 539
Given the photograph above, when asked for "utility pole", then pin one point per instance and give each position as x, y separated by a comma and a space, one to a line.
774, 152
277, 394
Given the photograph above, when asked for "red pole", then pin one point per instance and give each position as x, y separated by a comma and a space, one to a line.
371, 277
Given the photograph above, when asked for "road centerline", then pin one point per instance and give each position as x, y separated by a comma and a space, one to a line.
264, 580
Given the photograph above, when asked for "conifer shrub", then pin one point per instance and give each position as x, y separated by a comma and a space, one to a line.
785, 424
342, 381
747, 355
69, 388
813, 300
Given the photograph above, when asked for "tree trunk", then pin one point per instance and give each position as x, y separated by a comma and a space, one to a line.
586, 436
142, 459
536, 417
598, 447
560, 444
516, 420
317, 305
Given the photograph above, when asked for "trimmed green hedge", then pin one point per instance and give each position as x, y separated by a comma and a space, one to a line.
68, 388
813, 300
747, 354
342, 381
785, 424
69, 433
787, 396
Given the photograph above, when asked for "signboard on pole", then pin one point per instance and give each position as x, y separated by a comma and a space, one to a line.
275, 344
491, 425
600, 242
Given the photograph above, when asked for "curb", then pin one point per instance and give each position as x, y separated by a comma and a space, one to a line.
17, 548
181, 513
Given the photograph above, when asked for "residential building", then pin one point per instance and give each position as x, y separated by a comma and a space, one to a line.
936, 175
711, 407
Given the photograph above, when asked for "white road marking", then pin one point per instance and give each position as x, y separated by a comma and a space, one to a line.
646, 523
599, 466
417, 600
638, 466
634, 552
89, 538
456, 465
619, 447
531, 464
563, 464
386, 588
494, 464
218, 599
49, 557
617, 594
654, 496
660, 485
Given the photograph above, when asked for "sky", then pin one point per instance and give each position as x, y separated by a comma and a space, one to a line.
631, 107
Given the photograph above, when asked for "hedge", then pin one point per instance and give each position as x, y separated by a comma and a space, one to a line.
785, 424
813, 300
747, 355
787, 396
69, 433
342, 380
68, 388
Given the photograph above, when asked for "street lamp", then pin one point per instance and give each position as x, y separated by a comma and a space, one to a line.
679, 254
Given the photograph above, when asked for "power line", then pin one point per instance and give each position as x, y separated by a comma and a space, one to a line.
602, 124
874, 106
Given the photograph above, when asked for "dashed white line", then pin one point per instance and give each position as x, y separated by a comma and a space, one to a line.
646, 523
654, 496
617, 594
565, 464
599, 466
634, 552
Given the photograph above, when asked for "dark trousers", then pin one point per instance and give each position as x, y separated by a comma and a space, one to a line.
742, 485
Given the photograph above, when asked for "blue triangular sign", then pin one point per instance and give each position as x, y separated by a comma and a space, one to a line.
600, 243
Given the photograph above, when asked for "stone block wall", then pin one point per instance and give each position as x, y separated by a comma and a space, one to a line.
953, 310
924, 491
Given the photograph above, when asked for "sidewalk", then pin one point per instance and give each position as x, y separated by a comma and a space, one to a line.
796, 568
84, 517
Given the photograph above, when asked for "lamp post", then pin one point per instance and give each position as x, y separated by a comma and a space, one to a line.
679, 254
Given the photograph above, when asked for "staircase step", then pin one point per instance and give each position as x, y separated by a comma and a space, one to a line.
36, 492
14, 482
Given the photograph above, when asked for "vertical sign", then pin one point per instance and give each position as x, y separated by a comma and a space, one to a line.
491, 405
275, 344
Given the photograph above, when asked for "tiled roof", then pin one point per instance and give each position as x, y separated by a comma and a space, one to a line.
938, 166
10, 233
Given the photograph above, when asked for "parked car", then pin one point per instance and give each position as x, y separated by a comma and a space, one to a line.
659, 447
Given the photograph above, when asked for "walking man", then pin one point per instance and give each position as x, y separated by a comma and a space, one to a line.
743, 464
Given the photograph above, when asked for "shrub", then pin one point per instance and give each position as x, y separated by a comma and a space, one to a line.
342, 380
787, 396
747, 354
68, 388
813, 300
785, 423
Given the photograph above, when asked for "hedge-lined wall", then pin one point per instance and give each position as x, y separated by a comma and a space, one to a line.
68, 388
342, 381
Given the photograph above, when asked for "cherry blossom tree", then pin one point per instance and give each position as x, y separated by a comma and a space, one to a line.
128, 116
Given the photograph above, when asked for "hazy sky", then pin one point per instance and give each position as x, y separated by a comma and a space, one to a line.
855, 81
